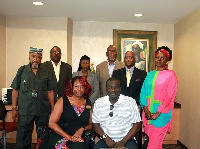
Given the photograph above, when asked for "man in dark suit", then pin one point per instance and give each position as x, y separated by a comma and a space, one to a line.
131, 79
62, 71
137, 77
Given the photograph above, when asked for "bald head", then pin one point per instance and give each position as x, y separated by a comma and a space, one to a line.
129, 59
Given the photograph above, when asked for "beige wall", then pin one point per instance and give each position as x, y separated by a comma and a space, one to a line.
186, 65
24, 32
3, 52
69, 40
93, 38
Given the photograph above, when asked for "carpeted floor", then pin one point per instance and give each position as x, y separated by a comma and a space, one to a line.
171, 146
12, 146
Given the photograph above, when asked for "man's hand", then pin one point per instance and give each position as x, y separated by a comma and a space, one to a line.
110, 142
120, 144
14, 115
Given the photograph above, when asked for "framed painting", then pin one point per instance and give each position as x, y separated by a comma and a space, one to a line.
142, 43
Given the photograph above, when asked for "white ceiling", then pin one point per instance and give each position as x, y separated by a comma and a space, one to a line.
155, 11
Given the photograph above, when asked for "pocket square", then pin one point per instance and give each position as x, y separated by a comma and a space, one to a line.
138, 79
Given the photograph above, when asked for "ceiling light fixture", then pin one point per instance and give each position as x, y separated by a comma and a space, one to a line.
138, 15
38, 3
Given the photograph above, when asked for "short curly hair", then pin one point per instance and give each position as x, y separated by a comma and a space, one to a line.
166, 49
83, 81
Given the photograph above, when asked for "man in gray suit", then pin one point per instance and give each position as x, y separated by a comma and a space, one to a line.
105, 69
62, 71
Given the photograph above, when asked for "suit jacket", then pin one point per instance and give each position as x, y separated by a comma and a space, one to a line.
93, 81
103, 74
64, 77
135, 85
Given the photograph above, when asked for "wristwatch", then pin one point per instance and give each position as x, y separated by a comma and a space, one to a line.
104, 136
84, 128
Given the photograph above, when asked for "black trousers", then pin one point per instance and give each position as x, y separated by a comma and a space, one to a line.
25, 129
131, 144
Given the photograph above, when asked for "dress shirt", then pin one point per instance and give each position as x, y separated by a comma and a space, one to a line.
130, 70
56, 69
111, 68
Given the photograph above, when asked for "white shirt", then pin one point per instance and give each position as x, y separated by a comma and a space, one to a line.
56, 69
125, 114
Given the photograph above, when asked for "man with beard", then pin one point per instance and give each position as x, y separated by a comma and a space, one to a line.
62, 71
105, 69
116, 118
33, 93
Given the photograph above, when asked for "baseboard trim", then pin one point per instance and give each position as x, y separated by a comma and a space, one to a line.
181, 145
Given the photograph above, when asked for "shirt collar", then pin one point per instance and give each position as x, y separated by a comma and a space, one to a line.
55, 64
106, 101
112, 64
131, 69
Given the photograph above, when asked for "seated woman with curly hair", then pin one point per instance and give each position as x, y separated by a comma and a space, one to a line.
71, 116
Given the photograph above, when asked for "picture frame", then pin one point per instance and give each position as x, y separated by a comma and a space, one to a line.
143, 43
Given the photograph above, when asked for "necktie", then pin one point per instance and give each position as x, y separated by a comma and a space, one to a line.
128, 77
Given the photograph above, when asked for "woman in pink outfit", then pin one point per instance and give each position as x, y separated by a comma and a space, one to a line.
157, 99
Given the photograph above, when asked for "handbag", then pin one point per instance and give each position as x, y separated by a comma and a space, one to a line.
89, 137
43, 136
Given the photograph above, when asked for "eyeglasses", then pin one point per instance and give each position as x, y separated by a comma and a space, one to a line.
55, 52
111, 108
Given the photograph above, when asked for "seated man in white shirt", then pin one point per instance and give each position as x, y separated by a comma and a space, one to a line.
116, 118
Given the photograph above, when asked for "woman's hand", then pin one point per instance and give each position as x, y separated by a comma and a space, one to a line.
147, 113
68, 137
77, 136
155, 115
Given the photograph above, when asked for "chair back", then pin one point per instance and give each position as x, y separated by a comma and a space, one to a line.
2, 110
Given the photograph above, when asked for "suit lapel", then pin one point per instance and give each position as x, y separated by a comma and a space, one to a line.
116, 65
89, 76
51, 66
123, 76
61, 71
105, 68
134, 76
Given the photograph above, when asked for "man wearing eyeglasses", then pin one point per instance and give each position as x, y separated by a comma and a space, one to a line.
116, 118
62, 71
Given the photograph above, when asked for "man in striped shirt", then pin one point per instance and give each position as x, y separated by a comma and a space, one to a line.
116, 118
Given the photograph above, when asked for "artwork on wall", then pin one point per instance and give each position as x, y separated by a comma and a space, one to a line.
142, 43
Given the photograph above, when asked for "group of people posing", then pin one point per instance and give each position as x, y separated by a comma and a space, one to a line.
113, 102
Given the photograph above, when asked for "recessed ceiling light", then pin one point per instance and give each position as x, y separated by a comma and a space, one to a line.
38, 3
138, 15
